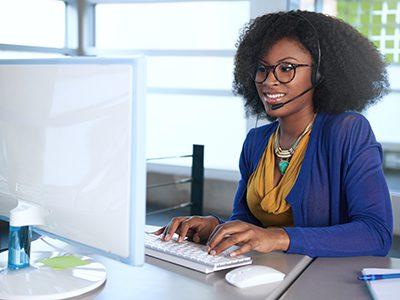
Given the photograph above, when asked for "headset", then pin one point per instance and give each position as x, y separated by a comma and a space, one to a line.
316, 77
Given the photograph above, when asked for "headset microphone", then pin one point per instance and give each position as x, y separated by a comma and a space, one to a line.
316, 77
279, 105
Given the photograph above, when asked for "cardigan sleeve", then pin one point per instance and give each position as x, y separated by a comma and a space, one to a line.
367, 227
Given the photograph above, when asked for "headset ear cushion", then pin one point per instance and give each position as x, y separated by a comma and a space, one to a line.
316, 76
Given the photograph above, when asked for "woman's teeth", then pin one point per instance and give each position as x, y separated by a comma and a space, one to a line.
275, 96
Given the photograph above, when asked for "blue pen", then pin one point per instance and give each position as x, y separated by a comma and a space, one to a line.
370, 277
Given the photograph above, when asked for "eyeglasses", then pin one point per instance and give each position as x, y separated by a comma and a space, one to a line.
284, 72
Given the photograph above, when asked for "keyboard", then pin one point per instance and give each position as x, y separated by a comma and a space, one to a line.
191, 255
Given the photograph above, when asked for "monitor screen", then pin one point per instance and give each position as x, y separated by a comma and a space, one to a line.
72, 141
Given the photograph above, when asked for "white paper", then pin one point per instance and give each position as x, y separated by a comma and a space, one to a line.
383, 289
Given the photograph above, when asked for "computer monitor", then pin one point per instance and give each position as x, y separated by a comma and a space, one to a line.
72, 142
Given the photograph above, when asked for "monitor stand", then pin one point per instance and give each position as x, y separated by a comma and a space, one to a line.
43, 282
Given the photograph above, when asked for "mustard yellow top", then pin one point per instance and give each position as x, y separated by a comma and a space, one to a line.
266, 202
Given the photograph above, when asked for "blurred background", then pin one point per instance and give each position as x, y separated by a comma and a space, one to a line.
189, 46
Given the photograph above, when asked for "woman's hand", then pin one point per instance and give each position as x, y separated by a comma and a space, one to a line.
197, 229
248, 237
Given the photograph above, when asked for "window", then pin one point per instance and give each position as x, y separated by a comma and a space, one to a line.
190, 72
215, 121
38, 29
26, 54
377, 20
181, 25
380, 22
32, 23
189, 47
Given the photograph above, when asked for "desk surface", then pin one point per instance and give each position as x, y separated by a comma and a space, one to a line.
158, 279
336, 278
307, 279
162, 280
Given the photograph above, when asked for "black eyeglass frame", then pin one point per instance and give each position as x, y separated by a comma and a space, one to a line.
273, 68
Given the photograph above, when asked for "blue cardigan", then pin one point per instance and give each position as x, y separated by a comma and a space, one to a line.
340, 200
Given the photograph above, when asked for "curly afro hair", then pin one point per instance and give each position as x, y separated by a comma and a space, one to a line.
353, 71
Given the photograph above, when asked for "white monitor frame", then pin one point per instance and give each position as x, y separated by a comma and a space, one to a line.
104, 85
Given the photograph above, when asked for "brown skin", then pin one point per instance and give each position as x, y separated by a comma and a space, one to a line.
296, 115
248, 237
293, 119
195, 228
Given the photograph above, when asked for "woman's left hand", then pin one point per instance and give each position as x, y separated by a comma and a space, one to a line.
247, 237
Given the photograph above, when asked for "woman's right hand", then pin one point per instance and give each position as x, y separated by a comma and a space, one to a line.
196, 228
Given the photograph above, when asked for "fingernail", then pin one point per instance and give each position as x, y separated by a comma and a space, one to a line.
232, 254
213, 252
180, 239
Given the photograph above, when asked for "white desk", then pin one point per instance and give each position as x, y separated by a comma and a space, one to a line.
162, 280
323, 278
336, 278
158, 279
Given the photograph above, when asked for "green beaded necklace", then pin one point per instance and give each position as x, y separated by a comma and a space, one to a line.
285, 155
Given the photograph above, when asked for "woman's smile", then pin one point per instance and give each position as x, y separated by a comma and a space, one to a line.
273, 97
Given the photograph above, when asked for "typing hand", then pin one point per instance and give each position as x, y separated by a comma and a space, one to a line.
247, 237
197, 229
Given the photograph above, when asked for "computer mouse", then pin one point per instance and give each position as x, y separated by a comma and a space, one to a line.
253, 275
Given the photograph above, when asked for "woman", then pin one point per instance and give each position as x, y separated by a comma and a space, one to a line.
312, 180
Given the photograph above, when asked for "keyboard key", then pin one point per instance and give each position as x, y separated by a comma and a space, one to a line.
191, 255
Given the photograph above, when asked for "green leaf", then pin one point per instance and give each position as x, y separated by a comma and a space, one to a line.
377, 5
341, 7
389, 44
377, 20
366, 6
352, 7
391, 19
392, 4
364, 31
376, 30
390, 30
364, 19
377, 43
389, 57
